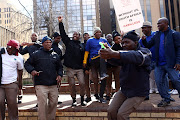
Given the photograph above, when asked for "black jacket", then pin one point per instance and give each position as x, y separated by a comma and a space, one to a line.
74, 53
57, 49
29, 49
134, 74
49, 63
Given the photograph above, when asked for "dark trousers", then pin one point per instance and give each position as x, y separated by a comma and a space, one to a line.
98, 66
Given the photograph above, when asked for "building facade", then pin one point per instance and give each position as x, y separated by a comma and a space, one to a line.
15, 22
79, 15
153, 10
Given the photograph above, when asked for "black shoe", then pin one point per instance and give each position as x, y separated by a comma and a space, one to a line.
163, 103
59, 102
74, 103
19, 101
147, 98
97, 96
108, 98
102, 100
88, 99
171, 99
82, 101
36, 105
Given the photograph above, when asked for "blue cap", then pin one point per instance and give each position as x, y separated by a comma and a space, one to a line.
46, 38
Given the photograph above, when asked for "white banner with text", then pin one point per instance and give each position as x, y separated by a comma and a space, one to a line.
129, 14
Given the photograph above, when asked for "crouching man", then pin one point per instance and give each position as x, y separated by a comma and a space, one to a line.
45, 65
134, 76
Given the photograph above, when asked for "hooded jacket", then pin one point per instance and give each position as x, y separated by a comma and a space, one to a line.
49, 63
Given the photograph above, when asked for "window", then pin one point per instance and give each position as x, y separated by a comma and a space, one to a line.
5, 21
148, 10
0, 15
0, 21
4, 9
0, 9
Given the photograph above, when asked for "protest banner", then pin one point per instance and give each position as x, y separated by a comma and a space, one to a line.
129, 14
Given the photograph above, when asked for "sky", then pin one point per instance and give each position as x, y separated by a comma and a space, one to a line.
28, 4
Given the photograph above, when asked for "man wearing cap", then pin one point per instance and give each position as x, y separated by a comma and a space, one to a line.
46, 68
73, 60
167, 57
98, 65
134, 76
11, 77
111, 69
147, 31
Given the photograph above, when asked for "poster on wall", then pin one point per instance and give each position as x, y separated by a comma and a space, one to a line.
129, 14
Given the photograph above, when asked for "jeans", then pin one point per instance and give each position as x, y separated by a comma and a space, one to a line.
162, 82
98, 66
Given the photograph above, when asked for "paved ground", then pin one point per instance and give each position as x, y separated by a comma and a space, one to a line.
29, 102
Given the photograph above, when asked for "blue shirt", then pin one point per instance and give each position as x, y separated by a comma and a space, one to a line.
93, 46
162, 58
152, 49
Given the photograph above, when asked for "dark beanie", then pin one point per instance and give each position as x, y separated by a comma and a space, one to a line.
46, 38
56, 35
115, 33
132, 35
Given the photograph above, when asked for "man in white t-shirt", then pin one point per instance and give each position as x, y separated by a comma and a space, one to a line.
11, 79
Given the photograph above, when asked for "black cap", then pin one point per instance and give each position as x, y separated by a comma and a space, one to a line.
132, 35
56, 34
115, 33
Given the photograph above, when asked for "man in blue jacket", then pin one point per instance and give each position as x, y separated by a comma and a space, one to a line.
167, 55
134, 76
46, 68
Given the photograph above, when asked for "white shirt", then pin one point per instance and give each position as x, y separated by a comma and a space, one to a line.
10, 65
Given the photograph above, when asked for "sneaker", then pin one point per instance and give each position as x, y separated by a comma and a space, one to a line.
171, 99
157, 92
74, 104
97, 96
151, 91
36, 105
102, 100
175, 92
83, 103
59, 102
108, 98
163, 103
19, 101
88, 99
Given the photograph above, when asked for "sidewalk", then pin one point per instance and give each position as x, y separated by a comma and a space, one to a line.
29, 101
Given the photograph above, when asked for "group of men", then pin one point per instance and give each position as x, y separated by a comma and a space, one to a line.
130, 63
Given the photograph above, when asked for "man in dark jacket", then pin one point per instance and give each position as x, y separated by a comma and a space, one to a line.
73, 60
45, 65
31, 47
167, 56
134, 76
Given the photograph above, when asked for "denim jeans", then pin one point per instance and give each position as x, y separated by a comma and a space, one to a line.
162, 82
